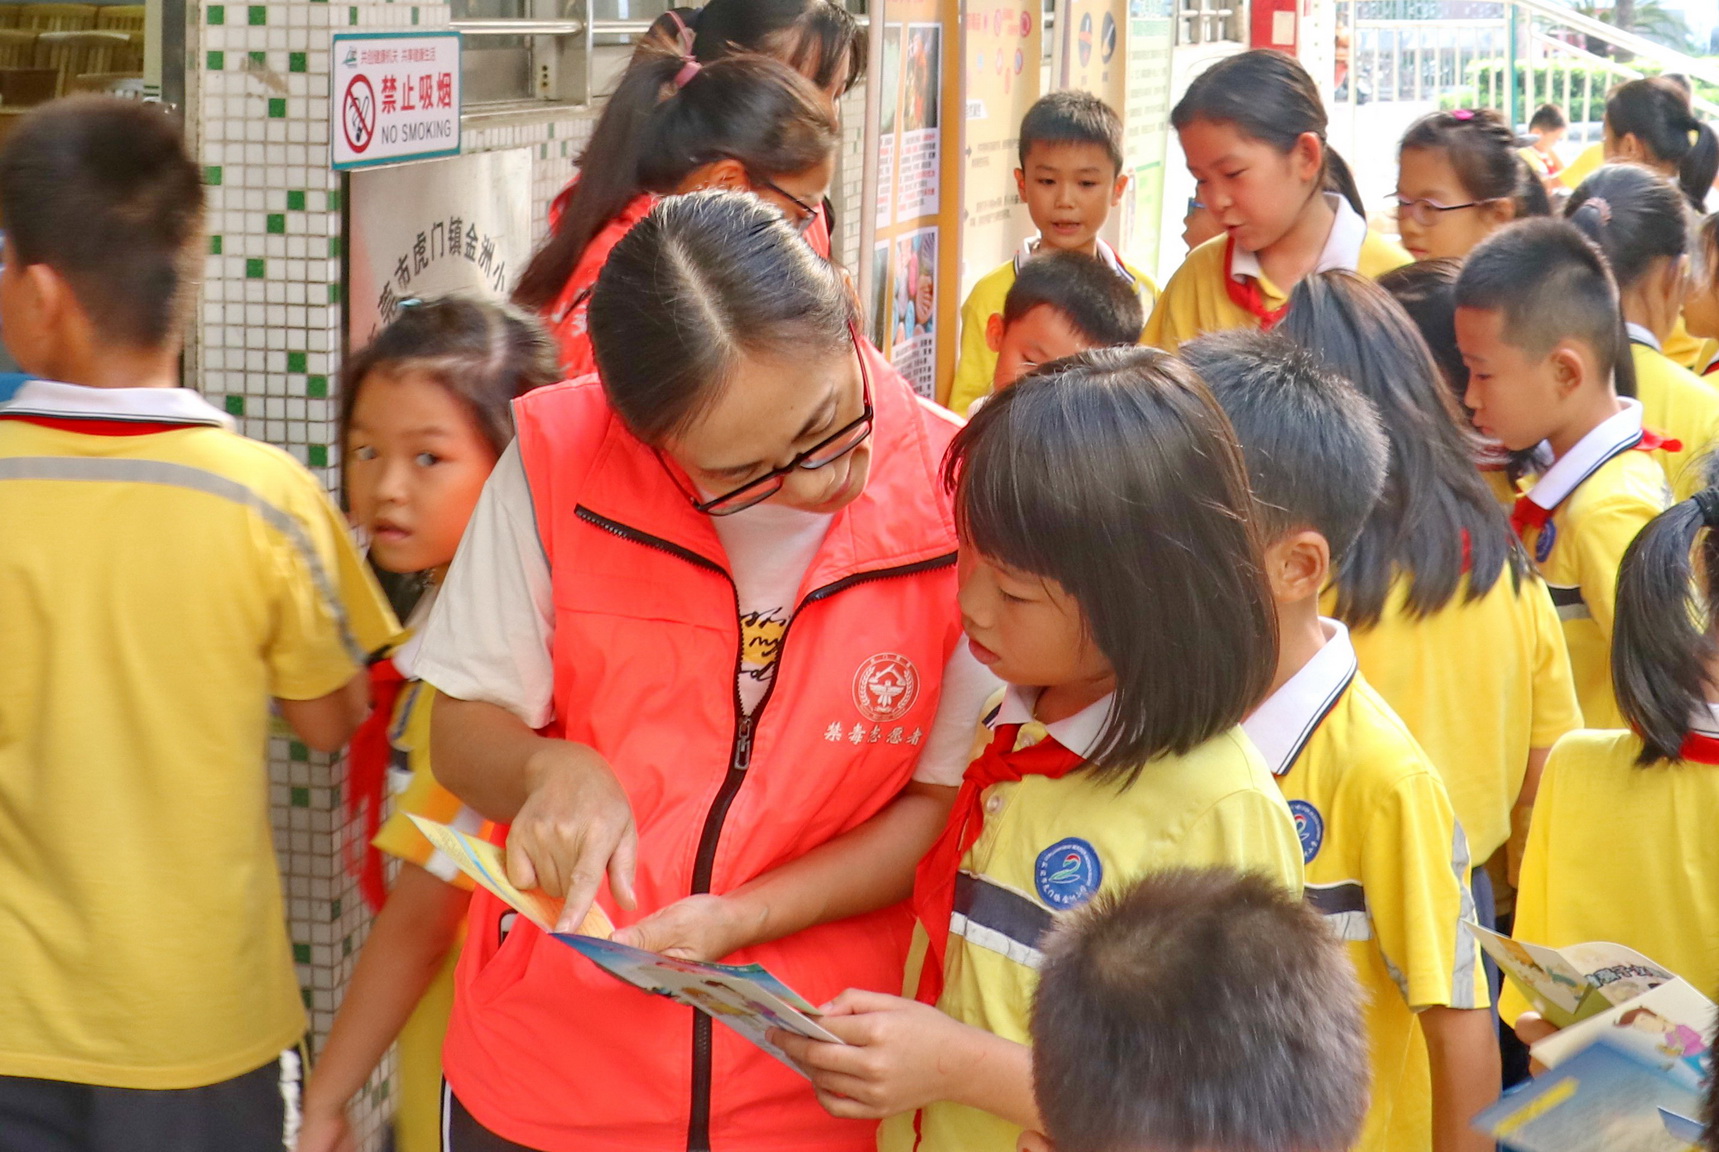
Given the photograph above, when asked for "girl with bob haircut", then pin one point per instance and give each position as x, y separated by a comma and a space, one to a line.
1449, 621
744, 123
1621, 846
1639, 221
1253, 130
1460, 178
426, 410
1649, 121
701, 637
1112, 577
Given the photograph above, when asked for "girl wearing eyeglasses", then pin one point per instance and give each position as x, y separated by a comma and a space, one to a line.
1460, 178
747, 123
701, 649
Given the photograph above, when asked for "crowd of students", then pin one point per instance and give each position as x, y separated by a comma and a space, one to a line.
1119, 769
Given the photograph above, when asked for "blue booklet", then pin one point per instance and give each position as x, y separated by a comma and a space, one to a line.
1602, 1099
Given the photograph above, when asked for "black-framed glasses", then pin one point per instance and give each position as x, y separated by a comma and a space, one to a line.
820, 455
808, 213
1424, 212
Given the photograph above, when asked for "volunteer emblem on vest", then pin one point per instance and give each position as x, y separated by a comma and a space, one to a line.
1309, 828
885, 687
1543, 543
1068, 874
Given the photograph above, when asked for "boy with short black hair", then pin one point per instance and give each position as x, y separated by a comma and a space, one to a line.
1201, 1010
1070, 178
161, 579
1538, 323
1060, 304
1385, 859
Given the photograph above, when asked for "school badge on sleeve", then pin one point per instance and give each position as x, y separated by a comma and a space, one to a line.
1068, 874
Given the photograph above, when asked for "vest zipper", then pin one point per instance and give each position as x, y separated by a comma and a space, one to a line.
739, 760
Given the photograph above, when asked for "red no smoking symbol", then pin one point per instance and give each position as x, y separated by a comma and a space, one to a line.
358, 113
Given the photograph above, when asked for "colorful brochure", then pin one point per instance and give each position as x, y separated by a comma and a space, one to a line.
1570, 984
1602, 1099
745, 997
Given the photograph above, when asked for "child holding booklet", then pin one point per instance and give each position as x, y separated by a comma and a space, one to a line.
1621, 847
1108, 760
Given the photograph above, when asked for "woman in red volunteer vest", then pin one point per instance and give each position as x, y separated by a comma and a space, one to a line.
701, 649
665, 131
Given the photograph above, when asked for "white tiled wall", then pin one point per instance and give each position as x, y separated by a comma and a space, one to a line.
267, 347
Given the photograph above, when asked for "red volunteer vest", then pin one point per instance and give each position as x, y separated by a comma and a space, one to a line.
544, 1048
566, 317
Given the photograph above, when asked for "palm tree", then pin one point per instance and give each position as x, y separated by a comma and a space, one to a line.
1648, 18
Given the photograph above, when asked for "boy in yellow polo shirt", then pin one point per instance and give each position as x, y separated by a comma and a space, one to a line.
1060, 304
1386, 861
1134, 990
1070, 178
1538, 322
161, 579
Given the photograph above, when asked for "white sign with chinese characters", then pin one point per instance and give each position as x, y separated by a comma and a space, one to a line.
396, 97
462, 224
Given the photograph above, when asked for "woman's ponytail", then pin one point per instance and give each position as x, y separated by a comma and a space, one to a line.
1662, 642
1657, 112
608, 175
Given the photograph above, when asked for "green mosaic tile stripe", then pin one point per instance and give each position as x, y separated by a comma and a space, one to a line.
214, 245
254, 268
295, 200
258, 14
276, 224
217, 14
297, 362
235, 405
316, 387
216, 61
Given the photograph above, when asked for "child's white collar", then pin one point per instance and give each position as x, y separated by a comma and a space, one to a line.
1078, 733
1606, 439
1281, 727
1342, 247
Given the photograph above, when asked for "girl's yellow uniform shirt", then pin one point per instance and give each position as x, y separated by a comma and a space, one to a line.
1624, 854
417, 1122
1599, 496
1049, 846
1676, 403
1479, 683
1386, 864
977, 364
1196, 301
155, 591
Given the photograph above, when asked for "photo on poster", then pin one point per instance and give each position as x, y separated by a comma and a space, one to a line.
889, 104
880, 295
919, 151
913, 315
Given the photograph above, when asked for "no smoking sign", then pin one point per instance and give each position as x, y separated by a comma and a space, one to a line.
396, 97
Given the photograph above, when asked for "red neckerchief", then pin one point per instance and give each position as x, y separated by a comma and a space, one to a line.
367, 775
1700, 747
1246, 293
1526, 514
1711, 368
102, 426
934, 882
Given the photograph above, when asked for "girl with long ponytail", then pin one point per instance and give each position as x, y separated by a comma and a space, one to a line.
1621, 846
743, 123
1253, 130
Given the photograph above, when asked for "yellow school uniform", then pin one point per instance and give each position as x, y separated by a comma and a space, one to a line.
1048, 846
1584, 165
1684, 349
977, 364
1480, 683
417, 1118
1624, 854
1676, 403
1498, 483
1195, 301
1600, 494
1386, 864
156, 591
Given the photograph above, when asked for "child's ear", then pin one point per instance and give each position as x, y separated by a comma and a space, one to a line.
994, 332
1569, 369
1307, 157
1030, 1141
1501, 211
1630, 149
1121, 187
1298, 565
1021, 183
